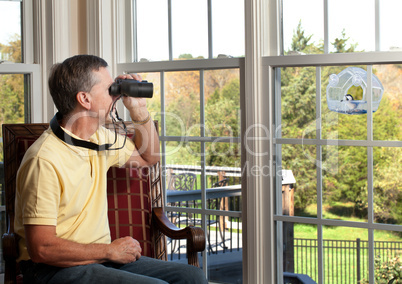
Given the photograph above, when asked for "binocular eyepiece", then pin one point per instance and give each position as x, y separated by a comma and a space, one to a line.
132, 88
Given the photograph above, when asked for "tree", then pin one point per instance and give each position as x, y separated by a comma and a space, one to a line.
12, 87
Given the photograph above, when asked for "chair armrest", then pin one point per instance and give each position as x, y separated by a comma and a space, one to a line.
195, 236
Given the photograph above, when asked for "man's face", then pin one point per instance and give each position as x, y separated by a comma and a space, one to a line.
101, 100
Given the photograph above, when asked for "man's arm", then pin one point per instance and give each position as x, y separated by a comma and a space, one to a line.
45, 247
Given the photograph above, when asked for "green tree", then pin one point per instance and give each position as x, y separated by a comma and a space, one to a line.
12, 87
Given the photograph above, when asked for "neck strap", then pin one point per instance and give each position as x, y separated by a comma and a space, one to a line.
62, 135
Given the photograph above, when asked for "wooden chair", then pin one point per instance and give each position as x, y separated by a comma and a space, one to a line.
135, 202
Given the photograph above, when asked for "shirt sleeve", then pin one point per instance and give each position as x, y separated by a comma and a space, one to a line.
38, 190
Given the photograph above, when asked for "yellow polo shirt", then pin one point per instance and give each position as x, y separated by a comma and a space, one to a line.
65, 186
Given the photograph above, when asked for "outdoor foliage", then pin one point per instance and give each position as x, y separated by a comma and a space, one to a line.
387, 271
12, 88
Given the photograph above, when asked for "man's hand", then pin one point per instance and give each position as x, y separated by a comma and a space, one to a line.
125, 250
136, 106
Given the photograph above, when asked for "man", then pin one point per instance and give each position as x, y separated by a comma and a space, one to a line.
61, 207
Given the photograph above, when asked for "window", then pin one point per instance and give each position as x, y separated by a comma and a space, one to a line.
197, 103
338, 218
20, 80
179, 29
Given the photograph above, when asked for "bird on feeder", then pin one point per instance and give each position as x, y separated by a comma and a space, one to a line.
349, 98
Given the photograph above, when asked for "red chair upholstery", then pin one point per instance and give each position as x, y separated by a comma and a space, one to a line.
135, 202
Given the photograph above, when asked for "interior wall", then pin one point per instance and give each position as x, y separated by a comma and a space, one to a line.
78, 20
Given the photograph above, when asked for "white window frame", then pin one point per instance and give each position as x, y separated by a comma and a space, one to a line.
369, 59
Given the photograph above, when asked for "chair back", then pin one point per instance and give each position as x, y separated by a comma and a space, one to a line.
131, 193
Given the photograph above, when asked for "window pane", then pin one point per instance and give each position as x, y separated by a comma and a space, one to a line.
228, 27
390, 21
298, 101
387, 251
152, 30
387, 119
300, 197
345, 183
222, 102
307, 17
182, 98
224, 247
183, 174
223, 176
387, 185
300, 250
10, 32
351, 22
12, 101
345, 249
190, 29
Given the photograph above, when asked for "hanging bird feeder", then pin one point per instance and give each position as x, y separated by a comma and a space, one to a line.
338, 97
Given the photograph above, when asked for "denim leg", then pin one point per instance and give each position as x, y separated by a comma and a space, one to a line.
171, 272
92, 273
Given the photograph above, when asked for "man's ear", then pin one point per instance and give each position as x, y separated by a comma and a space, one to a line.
84, 99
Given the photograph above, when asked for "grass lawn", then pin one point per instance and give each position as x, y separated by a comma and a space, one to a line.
339, 233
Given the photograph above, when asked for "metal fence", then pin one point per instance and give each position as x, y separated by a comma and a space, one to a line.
343, 261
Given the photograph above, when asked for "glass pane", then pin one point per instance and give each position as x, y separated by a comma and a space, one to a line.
387, 119
336, 125
154, 104
303, 26
177, 249
152, 31
298, 93
223, 176
345, 183
390, 21
222, 103
190, 29
12, 101
182, 99
228, 27
183, 183
300, 250
345, 254
10, 32
387, 253
299, 197
224, 248
351, 25
387, 185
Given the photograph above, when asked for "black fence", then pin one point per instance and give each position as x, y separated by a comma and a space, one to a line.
343, 261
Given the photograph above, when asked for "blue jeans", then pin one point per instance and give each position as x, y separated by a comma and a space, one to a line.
144, 270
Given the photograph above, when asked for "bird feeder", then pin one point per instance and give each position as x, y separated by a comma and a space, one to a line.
338, 98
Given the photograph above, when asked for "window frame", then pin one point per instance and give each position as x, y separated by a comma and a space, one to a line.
185, 65
123, 63
369, 59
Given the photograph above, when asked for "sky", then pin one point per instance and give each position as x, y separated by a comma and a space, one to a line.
190, 32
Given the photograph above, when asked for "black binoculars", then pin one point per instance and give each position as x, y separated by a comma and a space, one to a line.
132, 88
